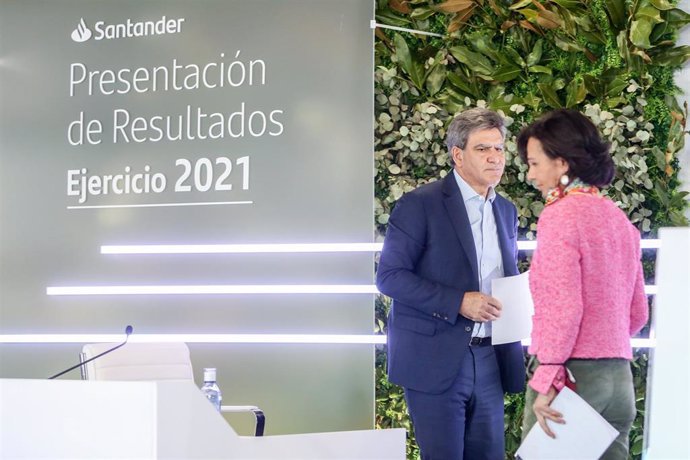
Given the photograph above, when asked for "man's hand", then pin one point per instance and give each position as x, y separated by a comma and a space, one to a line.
543, 411
480, 307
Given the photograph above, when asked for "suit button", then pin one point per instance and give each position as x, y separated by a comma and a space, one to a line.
468, 329
446, 318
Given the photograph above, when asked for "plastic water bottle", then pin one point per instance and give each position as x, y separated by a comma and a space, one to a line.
210, 388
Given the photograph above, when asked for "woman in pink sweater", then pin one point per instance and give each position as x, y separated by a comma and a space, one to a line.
586, 277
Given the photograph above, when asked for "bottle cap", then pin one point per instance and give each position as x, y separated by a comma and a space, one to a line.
209, 374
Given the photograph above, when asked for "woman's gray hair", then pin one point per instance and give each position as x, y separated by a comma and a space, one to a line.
475, 119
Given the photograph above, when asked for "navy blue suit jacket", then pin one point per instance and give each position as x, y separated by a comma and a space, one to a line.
427, 264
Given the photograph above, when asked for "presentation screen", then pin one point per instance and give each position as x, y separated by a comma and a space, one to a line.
160, 163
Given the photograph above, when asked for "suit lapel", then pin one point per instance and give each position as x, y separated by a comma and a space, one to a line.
455, 206
507, 251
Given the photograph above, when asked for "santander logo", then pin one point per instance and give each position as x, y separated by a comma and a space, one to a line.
81, 33
126, 29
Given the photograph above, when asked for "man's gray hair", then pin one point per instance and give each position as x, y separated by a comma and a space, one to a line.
476, 119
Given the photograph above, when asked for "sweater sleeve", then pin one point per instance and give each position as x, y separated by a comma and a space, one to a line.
639, 310
556, 285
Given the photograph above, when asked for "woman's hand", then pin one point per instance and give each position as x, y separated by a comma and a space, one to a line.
543, 411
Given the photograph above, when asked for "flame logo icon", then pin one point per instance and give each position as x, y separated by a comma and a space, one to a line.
81, 33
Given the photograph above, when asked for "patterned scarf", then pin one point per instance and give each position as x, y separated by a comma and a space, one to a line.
576, 187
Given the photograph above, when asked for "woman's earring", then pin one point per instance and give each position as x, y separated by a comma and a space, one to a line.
565, 180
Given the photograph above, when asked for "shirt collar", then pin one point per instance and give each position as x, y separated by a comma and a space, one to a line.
468, 193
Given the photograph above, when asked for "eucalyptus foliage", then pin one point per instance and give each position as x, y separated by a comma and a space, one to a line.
611, 59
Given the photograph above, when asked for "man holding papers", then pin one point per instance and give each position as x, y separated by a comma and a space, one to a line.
446, 241
586, 277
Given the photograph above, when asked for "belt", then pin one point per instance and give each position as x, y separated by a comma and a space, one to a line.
480, 341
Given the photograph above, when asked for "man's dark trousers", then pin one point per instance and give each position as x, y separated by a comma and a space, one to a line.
468, 417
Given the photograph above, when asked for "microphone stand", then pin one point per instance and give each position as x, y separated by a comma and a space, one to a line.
128, 331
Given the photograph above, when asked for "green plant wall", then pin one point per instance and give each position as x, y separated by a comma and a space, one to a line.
613, 60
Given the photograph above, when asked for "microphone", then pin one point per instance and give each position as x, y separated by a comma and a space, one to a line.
128, 331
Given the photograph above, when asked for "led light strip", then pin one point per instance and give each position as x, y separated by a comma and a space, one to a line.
230, 289
230, 338
524, 245
240, 248
197, 338
215, 289
650, 244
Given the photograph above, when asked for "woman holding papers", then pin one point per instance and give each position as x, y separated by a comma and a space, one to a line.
586, 277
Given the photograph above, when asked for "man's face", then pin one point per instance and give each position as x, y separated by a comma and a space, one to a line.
482, 160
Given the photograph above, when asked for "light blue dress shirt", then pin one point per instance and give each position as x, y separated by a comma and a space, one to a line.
485, 236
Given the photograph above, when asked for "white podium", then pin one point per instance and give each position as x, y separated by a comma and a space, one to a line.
667, 427
73, 419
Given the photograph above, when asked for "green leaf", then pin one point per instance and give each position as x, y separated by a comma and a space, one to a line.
662, 193
499, 104
529, 13
567, 45
661, 4
617, 14
677, 18
678, 219
462, 84
513, 56
649, 12
498, 92
539, 69
422, 13
435, 79
506, 73
532, 101
520, 4
409, 63
658, 31
622, 42
594, 85
636, 448
594, 36
535, 55
674, 57
616, 101
679, 199
570, 21
482, 43
575, 93
392, 19
616, 86
475, 61
549, 95
451, 103
639, 33
646, 17
659, 157
558, 84
569, 4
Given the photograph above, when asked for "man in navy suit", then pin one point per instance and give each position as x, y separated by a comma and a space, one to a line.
446, 241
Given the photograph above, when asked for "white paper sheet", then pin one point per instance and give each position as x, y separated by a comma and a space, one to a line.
584, 436
515, 322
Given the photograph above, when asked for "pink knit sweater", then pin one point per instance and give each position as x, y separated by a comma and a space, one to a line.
587, 284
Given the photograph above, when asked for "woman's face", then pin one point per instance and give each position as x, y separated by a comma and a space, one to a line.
544, 173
